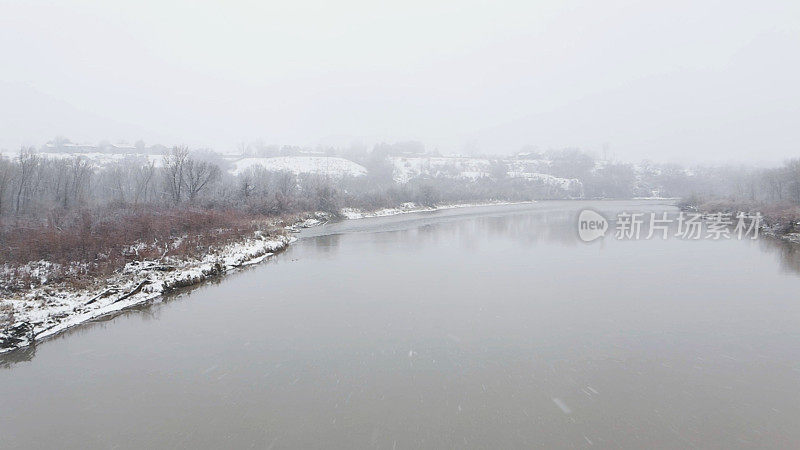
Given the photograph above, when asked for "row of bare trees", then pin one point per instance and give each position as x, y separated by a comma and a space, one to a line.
783, 183
28, 179
777, 185
31, 184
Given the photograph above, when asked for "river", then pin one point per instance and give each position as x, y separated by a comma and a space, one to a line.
489, 327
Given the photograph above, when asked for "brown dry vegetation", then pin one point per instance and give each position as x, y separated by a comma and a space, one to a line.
781, 217
89, 244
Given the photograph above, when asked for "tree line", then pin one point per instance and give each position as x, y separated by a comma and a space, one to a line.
33, 186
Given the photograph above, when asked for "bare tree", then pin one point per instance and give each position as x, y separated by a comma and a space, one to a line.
28, 162
197, 175
59, 181
5, 179
120, 178
246, 186
80, 175
174, 166
143, 178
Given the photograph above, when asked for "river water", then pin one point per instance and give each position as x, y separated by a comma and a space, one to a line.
489, 327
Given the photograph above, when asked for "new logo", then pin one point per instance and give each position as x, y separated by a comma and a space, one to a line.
591, 225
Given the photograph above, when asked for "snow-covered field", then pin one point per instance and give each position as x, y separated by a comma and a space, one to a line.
408, 168
529, 166
566, 184
47, 310
321, 165
97, 158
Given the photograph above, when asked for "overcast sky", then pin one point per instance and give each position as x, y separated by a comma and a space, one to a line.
676, 80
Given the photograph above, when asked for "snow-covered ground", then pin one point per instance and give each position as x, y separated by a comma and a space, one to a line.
47, 310
411, 207
97, 158
567, 184
321, 165
529, 166
316, 219
408, 168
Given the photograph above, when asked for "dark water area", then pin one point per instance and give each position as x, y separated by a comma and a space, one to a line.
491, 327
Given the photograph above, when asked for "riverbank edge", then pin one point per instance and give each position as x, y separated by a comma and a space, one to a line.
50, 312
777, 221
46, 312
408, 208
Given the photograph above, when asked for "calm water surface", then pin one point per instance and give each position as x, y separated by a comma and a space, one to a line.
473, 328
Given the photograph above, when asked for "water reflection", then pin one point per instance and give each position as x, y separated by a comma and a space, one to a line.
788, 252
491, 329
21, 355
552, 222
327, 243
149, 311
529, 225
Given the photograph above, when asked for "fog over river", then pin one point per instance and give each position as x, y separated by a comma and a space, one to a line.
487, 327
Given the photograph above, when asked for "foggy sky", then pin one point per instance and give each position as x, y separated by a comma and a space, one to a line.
679, 80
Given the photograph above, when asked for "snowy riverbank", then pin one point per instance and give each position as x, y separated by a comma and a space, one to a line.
47, 310
405, 208
779, 221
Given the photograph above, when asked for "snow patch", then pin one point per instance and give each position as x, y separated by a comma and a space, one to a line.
319, 165
410, 207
